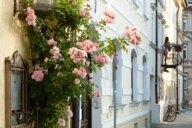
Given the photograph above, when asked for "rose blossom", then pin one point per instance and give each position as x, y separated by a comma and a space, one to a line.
38, 75
61, 122
96, 93
101, 59
81, 72
59, 74
77, 81
46, 59
51, 42
70, 113
90, 81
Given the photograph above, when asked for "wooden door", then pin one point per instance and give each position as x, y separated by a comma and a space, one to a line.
86, 114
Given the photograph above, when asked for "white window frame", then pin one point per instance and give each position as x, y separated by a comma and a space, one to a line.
185, 79
185, 50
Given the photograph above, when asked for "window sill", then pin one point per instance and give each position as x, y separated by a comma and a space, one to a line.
145, 101
134, 103
135, 5
118, 107
20, 126
145, 18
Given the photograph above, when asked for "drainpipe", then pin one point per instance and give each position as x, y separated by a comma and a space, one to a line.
156, 55
177, 99
114, 87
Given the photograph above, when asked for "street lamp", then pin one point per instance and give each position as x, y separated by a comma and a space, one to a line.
43, 4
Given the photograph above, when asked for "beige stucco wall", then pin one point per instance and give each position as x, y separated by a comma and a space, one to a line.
141, 122
12, 38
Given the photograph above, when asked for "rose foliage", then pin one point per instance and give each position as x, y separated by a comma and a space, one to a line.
65, 49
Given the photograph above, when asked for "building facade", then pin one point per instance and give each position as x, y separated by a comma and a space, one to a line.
187, 30
136, 69
171, 82
140, 81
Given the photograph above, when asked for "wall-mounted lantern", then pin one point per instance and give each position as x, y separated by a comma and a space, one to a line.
43, 4
35, 4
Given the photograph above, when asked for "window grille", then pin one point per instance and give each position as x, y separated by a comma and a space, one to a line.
16, 71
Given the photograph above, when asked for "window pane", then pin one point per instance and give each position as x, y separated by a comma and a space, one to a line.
184, 54
184, 24
16, 90
185, 84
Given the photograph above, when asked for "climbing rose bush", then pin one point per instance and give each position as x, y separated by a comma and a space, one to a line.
65, 50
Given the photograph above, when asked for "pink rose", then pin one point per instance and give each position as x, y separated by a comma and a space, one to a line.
77, 81
46, 59
101, 59
51, 42
70, 113
38, 76
61, 122
96, 93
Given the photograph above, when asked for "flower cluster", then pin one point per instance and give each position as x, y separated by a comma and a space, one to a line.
133, 34
38, 75
83, 12
60, 74
110, 17
88, 46
55, 51
31, 17
82, 72
101, 59
77, 55
96, 93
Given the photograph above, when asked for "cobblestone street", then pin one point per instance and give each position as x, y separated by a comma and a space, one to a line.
183, 120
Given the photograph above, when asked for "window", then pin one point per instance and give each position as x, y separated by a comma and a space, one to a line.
134, 75
185, 81
146, 123
136, 125
145, 11
184, 24
16, 91
169, 89
185, 52
144, 78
